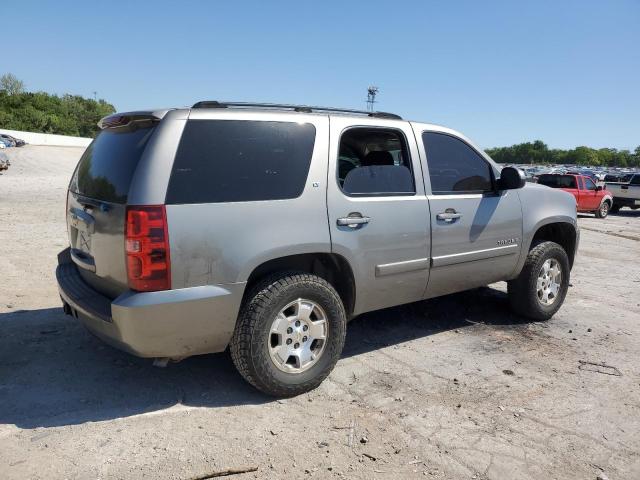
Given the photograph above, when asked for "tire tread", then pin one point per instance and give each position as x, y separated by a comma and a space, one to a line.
255, 305
522, 299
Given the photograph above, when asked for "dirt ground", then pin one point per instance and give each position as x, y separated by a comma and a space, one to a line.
454, 388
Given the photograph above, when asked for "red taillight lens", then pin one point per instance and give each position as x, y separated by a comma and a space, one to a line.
147, 248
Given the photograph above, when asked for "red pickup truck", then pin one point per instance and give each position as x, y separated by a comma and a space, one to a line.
589, 196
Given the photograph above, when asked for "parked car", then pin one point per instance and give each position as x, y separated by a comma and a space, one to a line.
590, 198
625, 194
585, 173
265, 228
4, 161
14, 142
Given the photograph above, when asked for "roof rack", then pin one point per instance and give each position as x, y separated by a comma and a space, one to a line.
295, 108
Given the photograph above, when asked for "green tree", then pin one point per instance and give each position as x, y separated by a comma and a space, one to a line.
539, 153
42, 112
11, 84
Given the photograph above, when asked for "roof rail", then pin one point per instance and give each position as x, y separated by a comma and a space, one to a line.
295, 108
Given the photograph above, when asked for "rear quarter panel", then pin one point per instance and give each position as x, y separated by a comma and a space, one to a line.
222, 243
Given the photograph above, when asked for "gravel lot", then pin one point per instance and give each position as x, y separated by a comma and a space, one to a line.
454, 388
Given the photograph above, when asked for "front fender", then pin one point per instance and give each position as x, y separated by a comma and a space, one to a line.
606, 198
543, 206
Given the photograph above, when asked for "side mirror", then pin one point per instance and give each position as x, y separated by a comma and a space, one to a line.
511, 178
598, 188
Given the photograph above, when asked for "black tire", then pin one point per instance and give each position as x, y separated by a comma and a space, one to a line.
249, 345
523, 296
603, 211
615, 208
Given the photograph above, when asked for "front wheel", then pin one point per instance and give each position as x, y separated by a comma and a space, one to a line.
603, 211
289, 335
541, 287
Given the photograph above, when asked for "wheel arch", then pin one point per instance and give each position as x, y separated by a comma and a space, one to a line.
608, 199
332, 267
564, 234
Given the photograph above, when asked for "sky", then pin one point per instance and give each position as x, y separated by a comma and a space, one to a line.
502, 72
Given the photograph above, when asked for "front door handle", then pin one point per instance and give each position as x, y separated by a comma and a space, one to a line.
449, 216
354, 220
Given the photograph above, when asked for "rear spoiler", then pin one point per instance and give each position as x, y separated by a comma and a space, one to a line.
128, 119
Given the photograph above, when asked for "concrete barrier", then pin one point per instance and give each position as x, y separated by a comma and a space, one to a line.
33, 138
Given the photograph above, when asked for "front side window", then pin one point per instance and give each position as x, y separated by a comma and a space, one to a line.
588, 184
373, 162
240, 161
455, 167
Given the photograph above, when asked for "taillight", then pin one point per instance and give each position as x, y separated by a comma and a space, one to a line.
147, 248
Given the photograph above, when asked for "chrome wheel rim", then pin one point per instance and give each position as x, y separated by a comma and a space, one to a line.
549, 281
298, 336
604, 209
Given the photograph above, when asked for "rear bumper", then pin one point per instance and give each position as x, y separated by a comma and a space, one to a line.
170, 323
626, 202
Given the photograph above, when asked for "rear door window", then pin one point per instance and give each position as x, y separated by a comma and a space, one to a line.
239, 161
106, 168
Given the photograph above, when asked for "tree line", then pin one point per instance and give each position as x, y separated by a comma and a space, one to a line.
539, 153
42, 112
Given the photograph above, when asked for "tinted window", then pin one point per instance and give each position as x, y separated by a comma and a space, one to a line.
588, 184
635, 180
455, 167
374, 161
239, 161
106, 168
558, 181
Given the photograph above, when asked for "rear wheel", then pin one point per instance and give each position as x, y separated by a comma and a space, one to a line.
603, 211
289, 335
541, 287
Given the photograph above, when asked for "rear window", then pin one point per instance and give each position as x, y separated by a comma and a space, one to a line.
558, 181
240, 161
107, 165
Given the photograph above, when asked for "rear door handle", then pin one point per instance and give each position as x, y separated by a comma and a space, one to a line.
448, 216
354, 220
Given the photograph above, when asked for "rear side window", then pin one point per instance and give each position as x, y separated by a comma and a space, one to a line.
558, 181
455, 167
241, 161
106, 168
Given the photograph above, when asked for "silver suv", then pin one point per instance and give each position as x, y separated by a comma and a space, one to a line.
265, 228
